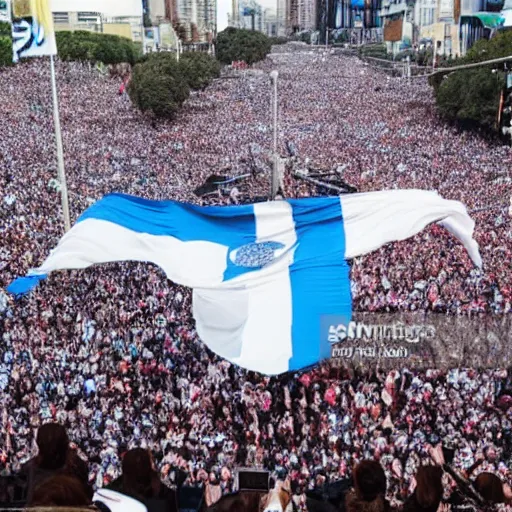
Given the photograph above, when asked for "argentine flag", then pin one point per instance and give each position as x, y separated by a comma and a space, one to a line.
265, 276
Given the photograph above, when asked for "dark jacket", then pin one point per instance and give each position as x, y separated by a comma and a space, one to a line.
412, 505
164, 501
36, 475
354, 504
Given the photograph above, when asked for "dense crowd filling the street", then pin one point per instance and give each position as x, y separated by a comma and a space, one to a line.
111, 352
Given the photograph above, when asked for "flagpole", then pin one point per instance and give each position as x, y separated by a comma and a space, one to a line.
60, 151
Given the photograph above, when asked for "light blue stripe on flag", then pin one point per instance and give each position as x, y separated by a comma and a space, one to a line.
320, 278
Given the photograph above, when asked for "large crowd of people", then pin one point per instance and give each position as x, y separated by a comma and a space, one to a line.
111, 352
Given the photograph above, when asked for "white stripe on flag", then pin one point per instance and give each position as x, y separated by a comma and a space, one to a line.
92, 241
267, 337
374, 219
251, 326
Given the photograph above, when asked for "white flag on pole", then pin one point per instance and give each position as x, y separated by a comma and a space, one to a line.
33, 34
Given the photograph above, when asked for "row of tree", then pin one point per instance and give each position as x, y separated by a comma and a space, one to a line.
80, 46
159, 85
93, 47
235, 44
5, 44
472, 96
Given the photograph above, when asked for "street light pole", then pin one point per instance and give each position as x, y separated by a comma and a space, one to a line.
275, 168
326, 23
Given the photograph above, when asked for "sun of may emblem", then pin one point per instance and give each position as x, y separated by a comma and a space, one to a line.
255, 255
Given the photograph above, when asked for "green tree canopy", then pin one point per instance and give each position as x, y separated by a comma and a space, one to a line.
158, 86
199, 69
471, 96
90, 46
235, 44
499, 46
5, 29
5, 51
5, 45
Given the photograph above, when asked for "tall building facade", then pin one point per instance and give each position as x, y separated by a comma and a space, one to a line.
281, 17
194, 20
334, 15
247, 12
300, 15
106, 16
271, 25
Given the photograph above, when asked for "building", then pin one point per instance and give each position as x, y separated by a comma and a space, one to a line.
271, 23
506, 14
106, 16
281, 17
196, 20
108, 8
300, 15
483, 22
357, 17
397, 22
249, 15
443, 30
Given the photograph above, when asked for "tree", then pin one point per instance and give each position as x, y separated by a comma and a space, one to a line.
235, 44
5, 45
5, 29
158, 86
92, 47
471, 96
5, 51
499, 46
181, 31
199, 69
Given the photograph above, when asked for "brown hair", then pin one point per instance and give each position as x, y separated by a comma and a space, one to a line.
369, 480
242, 500
429, 486
139, 479
490, 487
60, 491
53, 444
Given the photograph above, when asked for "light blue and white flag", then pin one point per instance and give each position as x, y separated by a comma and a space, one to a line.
265, 275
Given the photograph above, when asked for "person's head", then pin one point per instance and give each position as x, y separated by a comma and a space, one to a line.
60, 491
138, 474
369, 480
53, 444
490, 453
429, 486
490, 487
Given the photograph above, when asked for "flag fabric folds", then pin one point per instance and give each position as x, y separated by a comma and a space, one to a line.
32, 29
264, 276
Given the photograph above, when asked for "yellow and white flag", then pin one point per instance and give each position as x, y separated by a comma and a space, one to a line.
32, 29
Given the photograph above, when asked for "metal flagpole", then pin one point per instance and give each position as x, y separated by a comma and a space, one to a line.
60, 151
275, 167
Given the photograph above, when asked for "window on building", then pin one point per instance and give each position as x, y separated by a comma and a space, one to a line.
60, 17
88, 17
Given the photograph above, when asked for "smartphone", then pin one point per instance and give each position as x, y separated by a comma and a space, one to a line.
449, 454
252, 480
